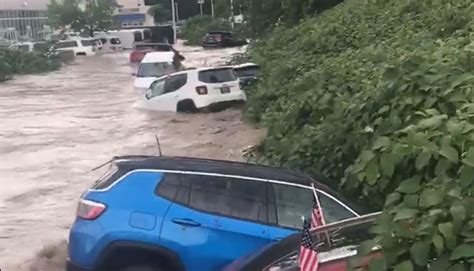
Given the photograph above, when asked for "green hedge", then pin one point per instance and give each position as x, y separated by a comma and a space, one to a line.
18, 62
378, 96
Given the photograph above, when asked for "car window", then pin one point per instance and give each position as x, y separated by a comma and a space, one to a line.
103, 40
247, 71
137, 36
155, 69
292, 204
217, 75
146, 34
40, 46
109, 177
332, 210
24, 47
66, 44
174, 187
115, 41
237, 198
87, 42
175, 82
156, 88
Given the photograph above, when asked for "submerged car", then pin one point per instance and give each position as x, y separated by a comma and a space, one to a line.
221, 39
337, 248
202, 89
248, 73
153, 66
141, 49
160, 213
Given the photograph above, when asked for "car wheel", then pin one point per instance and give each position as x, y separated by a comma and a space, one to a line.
186, 106
141, 268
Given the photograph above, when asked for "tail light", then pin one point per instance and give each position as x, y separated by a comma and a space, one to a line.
202, 90
90, 210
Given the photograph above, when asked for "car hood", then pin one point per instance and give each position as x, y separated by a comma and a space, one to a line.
144, 82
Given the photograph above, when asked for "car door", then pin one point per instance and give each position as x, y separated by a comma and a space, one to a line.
215, 220
289, 205
163, 94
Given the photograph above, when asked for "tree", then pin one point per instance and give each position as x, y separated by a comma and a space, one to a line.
160, 13
94, 15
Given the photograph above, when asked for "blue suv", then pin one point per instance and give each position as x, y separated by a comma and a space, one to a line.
150, 213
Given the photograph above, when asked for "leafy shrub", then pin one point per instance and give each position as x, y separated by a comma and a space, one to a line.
379, 97
19, 62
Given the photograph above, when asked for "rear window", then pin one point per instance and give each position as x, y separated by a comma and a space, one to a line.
112, 174
87, 42
66, 44
155, 69
217, 76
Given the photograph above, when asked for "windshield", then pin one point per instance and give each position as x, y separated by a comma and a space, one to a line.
217, 75
156, 69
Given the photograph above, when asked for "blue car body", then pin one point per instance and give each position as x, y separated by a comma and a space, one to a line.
135, 213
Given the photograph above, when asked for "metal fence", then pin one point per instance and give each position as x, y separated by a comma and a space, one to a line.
21, 25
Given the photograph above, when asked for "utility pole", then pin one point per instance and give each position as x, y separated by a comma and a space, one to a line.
174, 21
212, 8
177, 12
232, 13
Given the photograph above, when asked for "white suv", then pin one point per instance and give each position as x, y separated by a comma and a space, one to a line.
80, 46
195, 89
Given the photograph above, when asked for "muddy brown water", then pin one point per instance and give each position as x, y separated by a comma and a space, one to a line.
55, 127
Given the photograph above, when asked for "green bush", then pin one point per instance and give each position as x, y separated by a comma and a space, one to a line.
195, 28
19, 62
379, 97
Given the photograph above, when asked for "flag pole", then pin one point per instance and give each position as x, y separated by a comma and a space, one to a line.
316, 197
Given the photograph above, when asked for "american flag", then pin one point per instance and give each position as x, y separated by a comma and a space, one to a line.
308, 258
316, 214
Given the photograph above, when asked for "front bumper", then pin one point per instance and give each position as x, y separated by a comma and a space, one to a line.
74, 267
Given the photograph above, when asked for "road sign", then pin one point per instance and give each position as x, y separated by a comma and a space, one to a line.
200, 2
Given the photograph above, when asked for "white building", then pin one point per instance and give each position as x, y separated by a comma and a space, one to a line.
24, 17
133, 13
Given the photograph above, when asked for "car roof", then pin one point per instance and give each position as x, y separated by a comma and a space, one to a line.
212, 166
244, 65
154, 57
219, 32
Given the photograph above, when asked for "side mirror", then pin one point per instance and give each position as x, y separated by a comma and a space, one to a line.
148, 94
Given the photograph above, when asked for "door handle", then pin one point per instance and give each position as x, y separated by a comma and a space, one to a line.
186, 222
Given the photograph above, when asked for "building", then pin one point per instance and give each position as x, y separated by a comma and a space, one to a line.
133, 13
22, 19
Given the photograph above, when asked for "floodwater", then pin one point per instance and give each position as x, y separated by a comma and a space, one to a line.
56, 127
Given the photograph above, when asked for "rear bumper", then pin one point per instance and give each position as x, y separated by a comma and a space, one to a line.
74, 267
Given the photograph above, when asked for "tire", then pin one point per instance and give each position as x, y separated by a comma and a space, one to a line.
141, 268
186, 106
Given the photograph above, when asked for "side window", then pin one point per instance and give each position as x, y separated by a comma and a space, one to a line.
175, 82
332, 210
292, 203
103, 40
237, 198
157, 88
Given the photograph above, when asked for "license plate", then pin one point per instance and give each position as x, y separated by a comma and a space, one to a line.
225, 90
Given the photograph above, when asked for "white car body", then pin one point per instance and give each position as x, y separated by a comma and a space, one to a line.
153, 65
80, 46
194, 89
110, 43
128, 37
